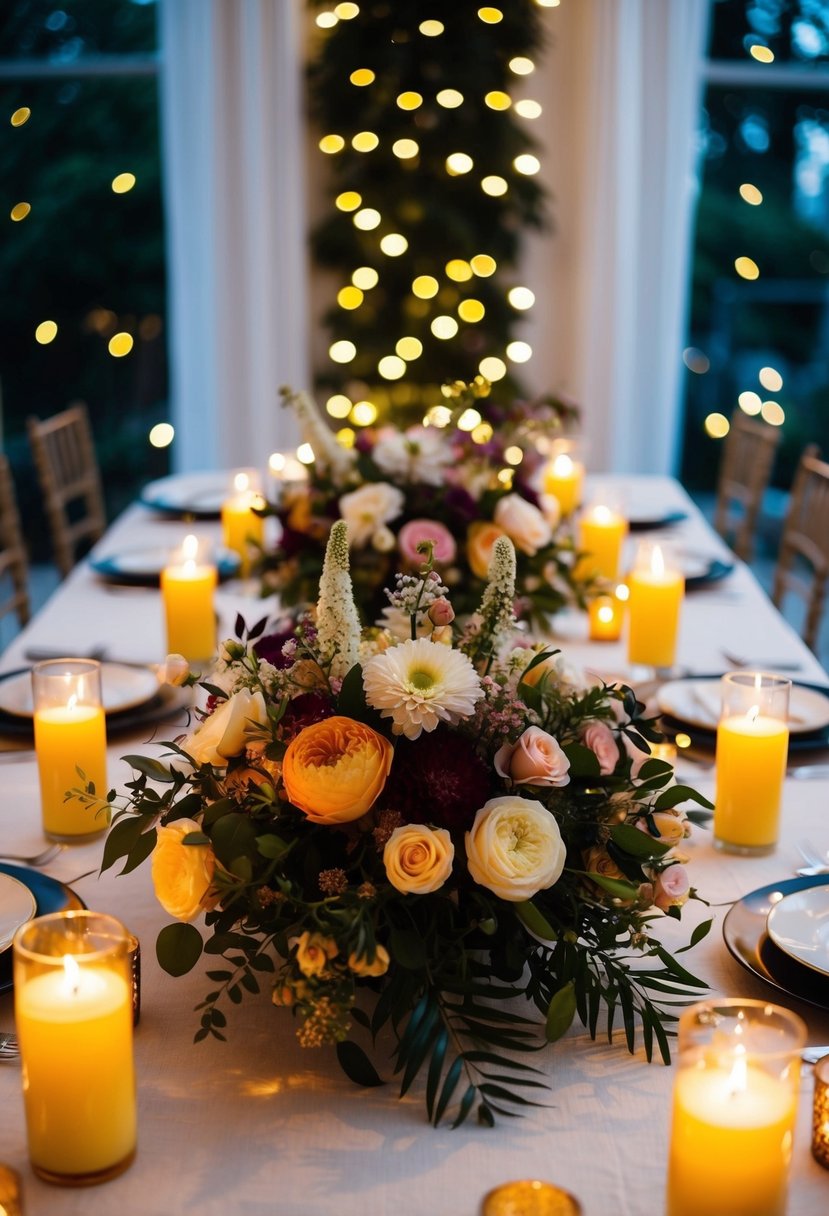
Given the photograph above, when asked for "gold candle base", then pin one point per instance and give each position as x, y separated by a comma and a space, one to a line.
820, 1114
530, 1197
93, 1179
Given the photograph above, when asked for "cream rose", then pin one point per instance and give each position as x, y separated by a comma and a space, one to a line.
418, 859
226, 732
536, 759
182, 873
369, 509
523, 523
174, 670
599, 738
514, 848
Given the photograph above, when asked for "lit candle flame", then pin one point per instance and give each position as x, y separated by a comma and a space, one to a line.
71, 975
602, 514
241, 482
276, 462
190, 548
657, 561
738, 1078
753, 714
72, 701
605, 613
562, 465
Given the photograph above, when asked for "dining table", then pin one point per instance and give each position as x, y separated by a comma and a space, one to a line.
259, 1125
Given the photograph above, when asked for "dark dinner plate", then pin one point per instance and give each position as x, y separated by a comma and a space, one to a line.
644, 523
706, 740
142, 567
716, 570
50, 896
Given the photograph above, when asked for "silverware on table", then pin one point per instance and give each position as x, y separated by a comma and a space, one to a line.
35, 859
9, 1046
760, 663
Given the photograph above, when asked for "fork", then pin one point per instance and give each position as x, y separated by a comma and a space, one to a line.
36, 859
9, 1046
741, 660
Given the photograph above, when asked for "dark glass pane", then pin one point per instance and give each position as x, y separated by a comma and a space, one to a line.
64, 31
796, 31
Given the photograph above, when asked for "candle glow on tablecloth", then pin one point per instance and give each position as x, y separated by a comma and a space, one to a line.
656, 593
187, 587
242, 528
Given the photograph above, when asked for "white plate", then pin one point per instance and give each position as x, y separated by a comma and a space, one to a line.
799, 926
122, 687
697, 702
144, 566
199, 494
17, 905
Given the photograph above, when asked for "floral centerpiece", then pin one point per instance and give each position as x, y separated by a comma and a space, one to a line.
448, 822
461, 481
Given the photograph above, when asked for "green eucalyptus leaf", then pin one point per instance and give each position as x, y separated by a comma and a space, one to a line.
636, 843
614, 886
154, 769
356, 1065
535, 921
560, 1013
583, 761
178, 948
121, 838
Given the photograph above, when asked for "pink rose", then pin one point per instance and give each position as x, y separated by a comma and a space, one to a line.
536, 759
671, 889
441, 612
417, 530
599, 738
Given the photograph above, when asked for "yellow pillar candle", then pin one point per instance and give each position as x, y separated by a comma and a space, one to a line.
605, 615
656, 594
74, 1023
751, 764
187, 588
602, 532
564, 479
242, 528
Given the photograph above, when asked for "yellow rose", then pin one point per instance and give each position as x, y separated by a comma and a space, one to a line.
418, 859
480, 541
514, 848
313, 952
379, 967
335, 769
182, 873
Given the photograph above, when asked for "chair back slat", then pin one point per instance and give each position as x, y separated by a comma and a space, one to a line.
803, 561
748, 456
14, 562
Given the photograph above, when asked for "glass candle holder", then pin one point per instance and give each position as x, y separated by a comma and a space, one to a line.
657, 589
601, 535
606, 616
73, 1008
70, 734
563, 475
752, 749
188, 584
530, 1198
243, 531
820, 1113
734, 1104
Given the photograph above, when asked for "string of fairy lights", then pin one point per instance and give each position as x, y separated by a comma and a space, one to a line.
749, 400
428, 291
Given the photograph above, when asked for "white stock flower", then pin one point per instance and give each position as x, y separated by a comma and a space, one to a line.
514, 848
228, 730
369, 509
417, 454
421, 684
523, 523
338, 625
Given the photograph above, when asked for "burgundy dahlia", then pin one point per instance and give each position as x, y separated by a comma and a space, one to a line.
438, 779
304, 710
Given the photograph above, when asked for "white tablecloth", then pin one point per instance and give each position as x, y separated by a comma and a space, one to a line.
258, 1125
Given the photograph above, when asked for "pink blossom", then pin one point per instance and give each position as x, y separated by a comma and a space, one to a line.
672, 886
599, 738
441, 612
417, 530
536, 759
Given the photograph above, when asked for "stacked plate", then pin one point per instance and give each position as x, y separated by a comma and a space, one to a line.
693, 706
24, 894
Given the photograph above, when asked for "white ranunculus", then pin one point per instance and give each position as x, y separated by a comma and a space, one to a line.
228, 729
370, 508
514, 848
418, 454
523, 523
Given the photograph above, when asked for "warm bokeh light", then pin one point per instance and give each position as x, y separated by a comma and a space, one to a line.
492, 368
405, 148
521, 66
696, 360
750, 194
394, 244
338, 406
21, 115
349, 297
717, 426
46, 332
494, 185
162, 435
342, 351
349, 200
365, 277
527, 164
471, 311
425, 287
122, 183
346, 437
364, 413
347, 11
519, 352
305, 454
361, 77
409, 348
527, 108
483, 265
763, 54
19, 211
750, 403
390, 367
366, 219
438, 415
772, 413
505, 476
365, 141
771, 379
431, 29
497, 100
747, 268
331, 144
469, 419
548, 3
458, 163
326, 20
444, 327
450, 99
120, 344
410, 100
514, 455
458, 270
482, 433
521, 298
491, 16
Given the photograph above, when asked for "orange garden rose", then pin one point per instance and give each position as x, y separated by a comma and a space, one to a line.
480, 541
335, 769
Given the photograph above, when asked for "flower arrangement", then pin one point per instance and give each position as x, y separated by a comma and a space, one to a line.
448, 823
449, 481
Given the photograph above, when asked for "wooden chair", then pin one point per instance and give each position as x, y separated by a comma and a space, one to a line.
14, 564
67, 470
803, 560
747, 458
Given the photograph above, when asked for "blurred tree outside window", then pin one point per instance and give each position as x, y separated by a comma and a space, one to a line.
759, 312
82, 310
